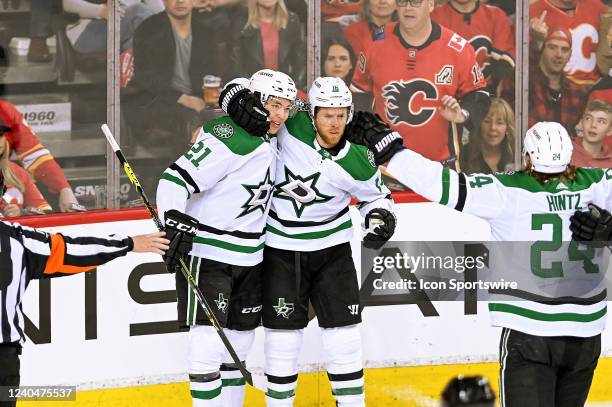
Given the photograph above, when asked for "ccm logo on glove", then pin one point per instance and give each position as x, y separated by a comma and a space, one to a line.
174, 224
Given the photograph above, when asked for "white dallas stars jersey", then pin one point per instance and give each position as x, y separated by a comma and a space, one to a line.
313, 189
520, 209
225, 181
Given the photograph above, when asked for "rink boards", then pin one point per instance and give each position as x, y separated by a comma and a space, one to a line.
111, 333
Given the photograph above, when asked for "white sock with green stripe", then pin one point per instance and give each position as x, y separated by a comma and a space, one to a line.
206, 389
343, 353
233, 382
281, 348
205, 356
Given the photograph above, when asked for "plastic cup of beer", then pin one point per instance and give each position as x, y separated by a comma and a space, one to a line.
211, 88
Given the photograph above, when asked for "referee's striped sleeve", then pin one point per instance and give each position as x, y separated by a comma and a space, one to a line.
54, 254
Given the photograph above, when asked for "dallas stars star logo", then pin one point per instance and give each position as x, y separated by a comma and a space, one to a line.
222, 303
284, 309
259, 196
301, 192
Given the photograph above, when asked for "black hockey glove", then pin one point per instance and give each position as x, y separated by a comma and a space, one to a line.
497, 70
180, 230
245, 108
594, 225
380, 226
370, 130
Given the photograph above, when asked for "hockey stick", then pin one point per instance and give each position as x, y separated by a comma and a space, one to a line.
184, 269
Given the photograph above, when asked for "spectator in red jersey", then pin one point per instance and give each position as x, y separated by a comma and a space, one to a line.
432, 86
491, 149
603, 88
591, 150
582, 19
552, 96
343, 12
34, 156
21, 196
488, 30
374, 16
338, 59
269, 36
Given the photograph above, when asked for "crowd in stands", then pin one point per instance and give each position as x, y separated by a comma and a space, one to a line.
439, 72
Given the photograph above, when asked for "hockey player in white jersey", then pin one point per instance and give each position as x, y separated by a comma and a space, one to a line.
549, 347
223, 185
308, 255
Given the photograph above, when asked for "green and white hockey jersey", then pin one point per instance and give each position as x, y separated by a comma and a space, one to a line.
313, 189
520, 209
225, 181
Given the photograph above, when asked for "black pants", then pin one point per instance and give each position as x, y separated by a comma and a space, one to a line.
326, 277
9, 372
233, 292
538, 371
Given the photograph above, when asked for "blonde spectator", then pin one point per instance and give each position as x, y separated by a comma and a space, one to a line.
268, 36
35, 157
491, 149
21, 194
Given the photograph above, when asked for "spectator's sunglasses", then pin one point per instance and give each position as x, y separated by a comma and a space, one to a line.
413, 3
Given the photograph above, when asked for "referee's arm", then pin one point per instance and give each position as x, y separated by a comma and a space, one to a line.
54, 255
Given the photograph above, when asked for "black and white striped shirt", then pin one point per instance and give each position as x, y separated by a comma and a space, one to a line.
27, 254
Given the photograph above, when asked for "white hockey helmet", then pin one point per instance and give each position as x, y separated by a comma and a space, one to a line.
273, 83
549, 147
330, 92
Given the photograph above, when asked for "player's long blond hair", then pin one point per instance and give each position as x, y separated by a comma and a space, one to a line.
9, 175
281, 15
566, 176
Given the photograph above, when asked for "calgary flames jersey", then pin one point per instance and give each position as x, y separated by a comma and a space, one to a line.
361, 34
408, 92
487, 29
331, 9
584, 26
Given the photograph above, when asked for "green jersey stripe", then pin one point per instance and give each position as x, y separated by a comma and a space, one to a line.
279, 395
356, 163
300, 127
584, 179
236, 139
191, 303
305, 224
547, 317
349, 391
445, 186
228, 246
233, 382
206, 394
311, 235
177, 181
